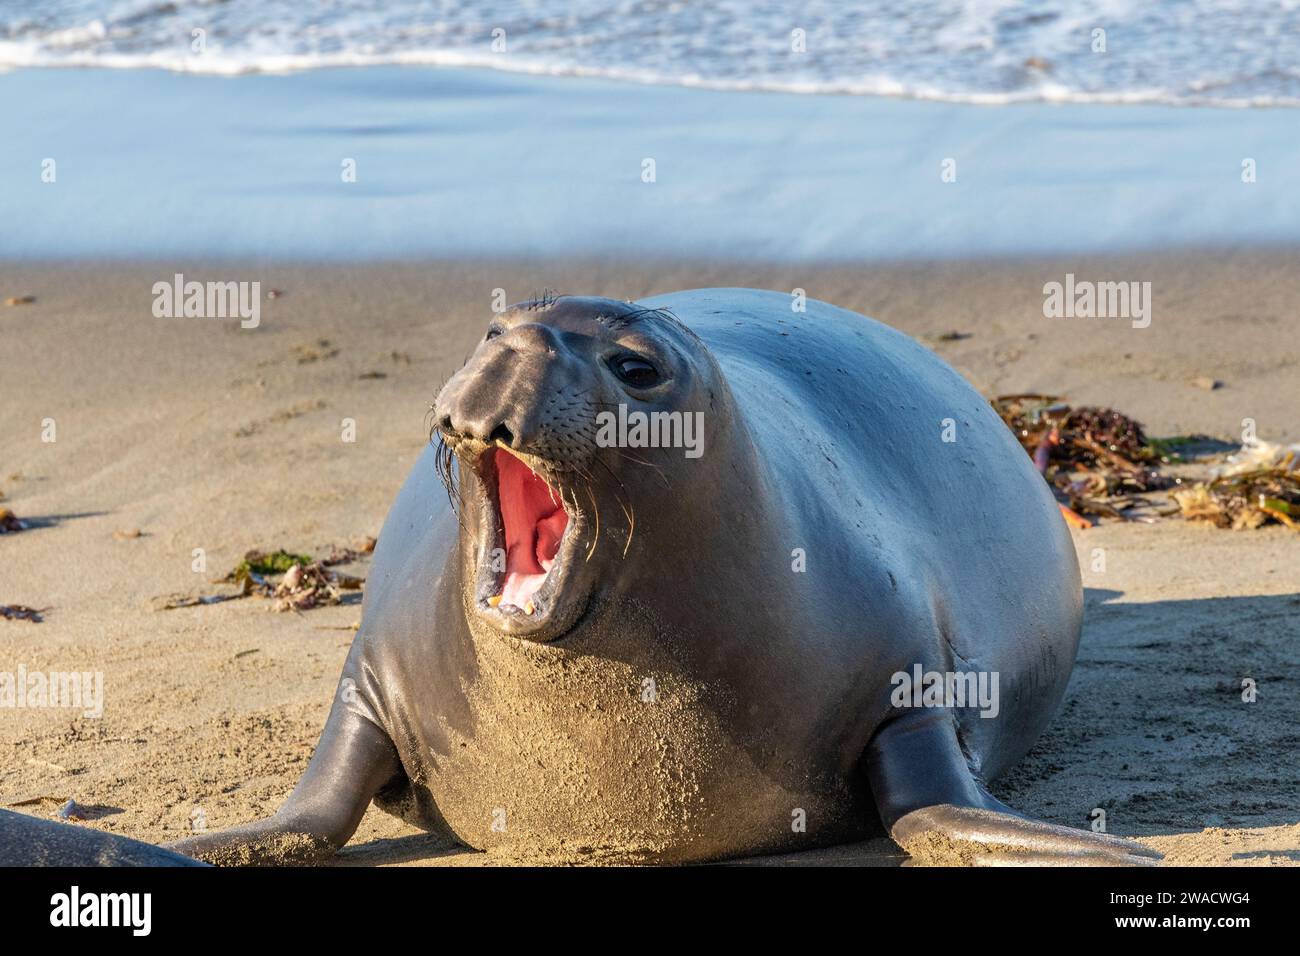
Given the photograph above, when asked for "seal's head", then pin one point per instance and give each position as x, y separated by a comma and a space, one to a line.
537, 425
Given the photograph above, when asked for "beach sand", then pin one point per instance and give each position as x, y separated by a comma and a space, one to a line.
203, 435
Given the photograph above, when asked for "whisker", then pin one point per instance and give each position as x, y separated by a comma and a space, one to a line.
444, 463
628, 511
595, 508
648, 464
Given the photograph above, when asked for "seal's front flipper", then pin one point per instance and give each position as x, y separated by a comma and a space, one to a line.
973, 836
937, 811
353, 761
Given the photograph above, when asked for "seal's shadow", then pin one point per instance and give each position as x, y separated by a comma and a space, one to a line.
419, 847
1155, 730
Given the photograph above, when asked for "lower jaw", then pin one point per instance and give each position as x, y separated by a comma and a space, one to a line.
552, 627
557, 612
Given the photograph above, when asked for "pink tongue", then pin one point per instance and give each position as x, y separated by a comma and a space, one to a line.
534, 522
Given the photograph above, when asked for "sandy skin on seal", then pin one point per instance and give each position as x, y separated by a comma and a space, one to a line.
585, 650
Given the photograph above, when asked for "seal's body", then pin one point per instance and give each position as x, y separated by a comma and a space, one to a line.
591, 650
31, 841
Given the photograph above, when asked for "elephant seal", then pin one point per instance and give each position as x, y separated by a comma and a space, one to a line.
686, 551
29, 841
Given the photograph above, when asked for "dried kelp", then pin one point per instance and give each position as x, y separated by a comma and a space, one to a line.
258, 564
1098, 459
295, 582
10, 523
1245, 501
305, 586
364, 547
1102, 463
21, 612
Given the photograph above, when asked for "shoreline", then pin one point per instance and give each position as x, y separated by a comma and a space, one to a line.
488, 65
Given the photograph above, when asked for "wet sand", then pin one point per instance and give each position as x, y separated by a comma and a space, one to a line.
200, 434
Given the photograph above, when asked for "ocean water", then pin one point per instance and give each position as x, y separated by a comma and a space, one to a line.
264, 139
452, 163
1186, 52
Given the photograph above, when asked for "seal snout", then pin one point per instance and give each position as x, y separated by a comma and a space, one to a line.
520, 418
524, 390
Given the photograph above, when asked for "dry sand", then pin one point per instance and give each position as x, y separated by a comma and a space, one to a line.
203, 435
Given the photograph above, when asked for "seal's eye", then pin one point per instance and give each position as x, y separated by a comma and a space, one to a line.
492, 333
635, 371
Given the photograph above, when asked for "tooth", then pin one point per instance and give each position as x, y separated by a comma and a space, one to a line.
528, 608
495, 600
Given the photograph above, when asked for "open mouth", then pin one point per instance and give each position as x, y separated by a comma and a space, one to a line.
528, 539
533, 520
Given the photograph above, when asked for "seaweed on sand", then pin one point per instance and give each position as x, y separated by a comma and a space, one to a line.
304, 583
261, 563
10, 523
1099, 460
1102, 463
21, 612
306, 586
296, 582
1245, 501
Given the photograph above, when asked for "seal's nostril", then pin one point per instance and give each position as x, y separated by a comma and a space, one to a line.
445, 424
502, 434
